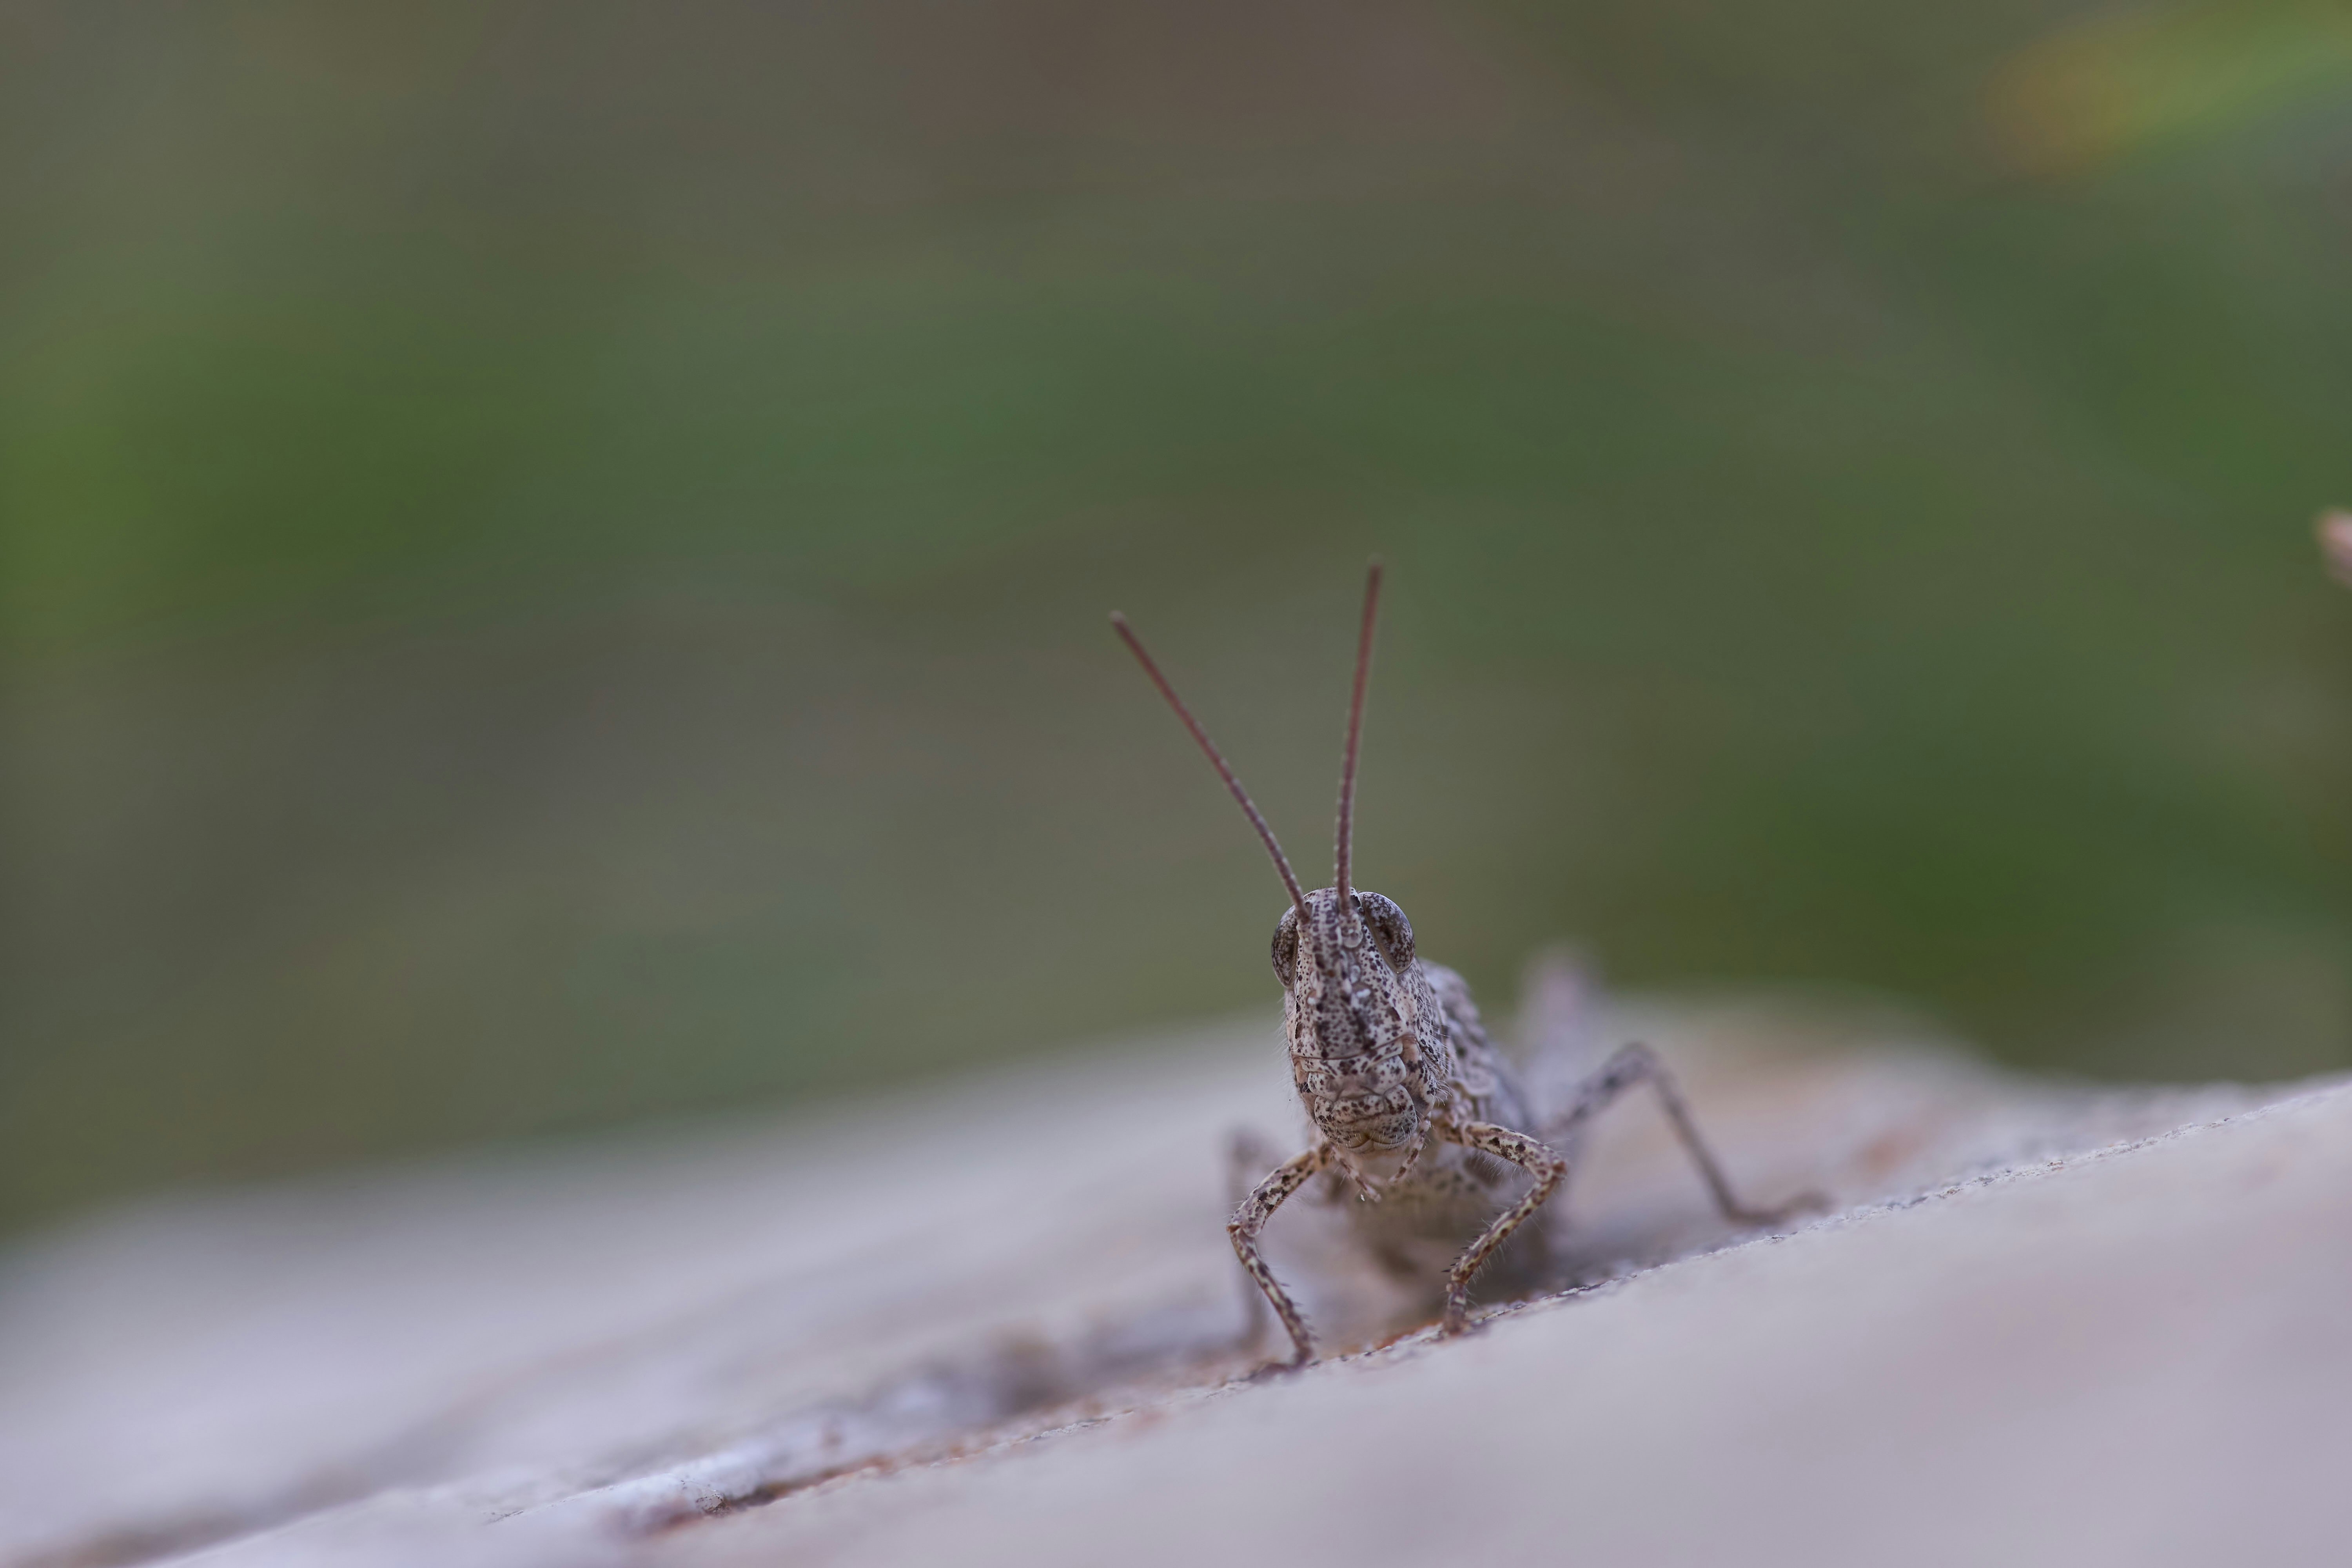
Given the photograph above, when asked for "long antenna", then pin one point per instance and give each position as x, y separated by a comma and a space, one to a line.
1355, 738
1249, 808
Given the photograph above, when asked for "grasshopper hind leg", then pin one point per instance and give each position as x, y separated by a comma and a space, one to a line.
1631, 1066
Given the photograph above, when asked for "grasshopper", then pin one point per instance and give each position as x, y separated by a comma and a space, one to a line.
1410, 1099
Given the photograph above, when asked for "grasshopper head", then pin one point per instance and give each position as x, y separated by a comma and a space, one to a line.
1347, 976
1354, 1004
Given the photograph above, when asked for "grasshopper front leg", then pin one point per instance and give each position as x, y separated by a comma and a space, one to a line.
1548, 1170
1250, 1219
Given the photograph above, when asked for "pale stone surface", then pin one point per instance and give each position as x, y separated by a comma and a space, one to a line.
2047, 1325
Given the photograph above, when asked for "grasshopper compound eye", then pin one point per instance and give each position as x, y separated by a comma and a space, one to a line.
1286, 948
1390, 931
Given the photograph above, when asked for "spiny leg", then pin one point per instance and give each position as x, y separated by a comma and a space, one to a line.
1548, 1170
1246, 1155
1250, 1219
1638, 1064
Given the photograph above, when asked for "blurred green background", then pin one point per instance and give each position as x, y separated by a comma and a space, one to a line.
555, 555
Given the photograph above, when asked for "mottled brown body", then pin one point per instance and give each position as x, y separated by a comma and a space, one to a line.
1388, 1052
1408, 1096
